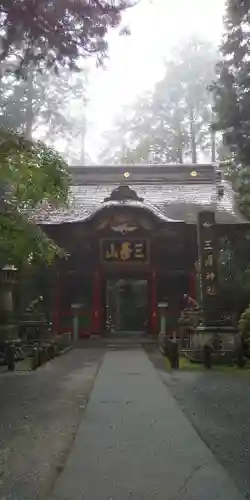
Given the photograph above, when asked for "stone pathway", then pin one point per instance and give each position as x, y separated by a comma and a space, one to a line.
39, 416
135, 443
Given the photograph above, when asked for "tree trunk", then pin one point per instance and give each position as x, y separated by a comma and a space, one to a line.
192, 135
2, 197
29, 105
82, 154
213, 146
180, 142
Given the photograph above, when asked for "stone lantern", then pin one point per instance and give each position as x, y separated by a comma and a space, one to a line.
8, 326
75, 312
163, 307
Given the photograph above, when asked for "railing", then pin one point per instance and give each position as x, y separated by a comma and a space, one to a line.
36, 350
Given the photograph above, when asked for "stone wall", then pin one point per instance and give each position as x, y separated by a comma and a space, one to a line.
200, 338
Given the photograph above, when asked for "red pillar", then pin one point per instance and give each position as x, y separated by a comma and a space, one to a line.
192, 284
96, 304
153, 305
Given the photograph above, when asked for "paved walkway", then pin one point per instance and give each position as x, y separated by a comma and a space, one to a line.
135, 443
39, 416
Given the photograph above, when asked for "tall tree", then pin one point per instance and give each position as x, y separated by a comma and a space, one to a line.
173, 123
69, 123
30, 173
232, 95
45, 105
56, 33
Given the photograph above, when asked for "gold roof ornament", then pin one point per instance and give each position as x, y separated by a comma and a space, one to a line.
193, 173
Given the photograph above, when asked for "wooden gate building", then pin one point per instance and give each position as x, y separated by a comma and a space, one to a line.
136, 237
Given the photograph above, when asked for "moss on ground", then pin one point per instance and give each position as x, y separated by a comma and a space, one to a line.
186, 365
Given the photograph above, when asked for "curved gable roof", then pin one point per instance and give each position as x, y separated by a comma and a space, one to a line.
170, 193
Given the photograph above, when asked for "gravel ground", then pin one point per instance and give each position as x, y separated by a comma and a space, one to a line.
218, 406
39, 416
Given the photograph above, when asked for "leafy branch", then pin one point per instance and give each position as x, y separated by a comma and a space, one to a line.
30, 173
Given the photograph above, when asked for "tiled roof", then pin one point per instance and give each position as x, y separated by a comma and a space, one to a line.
176, 201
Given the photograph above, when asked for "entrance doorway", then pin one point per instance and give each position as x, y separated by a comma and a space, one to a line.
126, 305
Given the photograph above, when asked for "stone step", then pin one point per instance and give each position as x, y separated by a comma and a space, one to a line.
113, 342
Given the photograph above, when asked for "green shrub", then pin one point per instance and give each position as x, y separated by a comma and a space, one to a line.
244, 323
